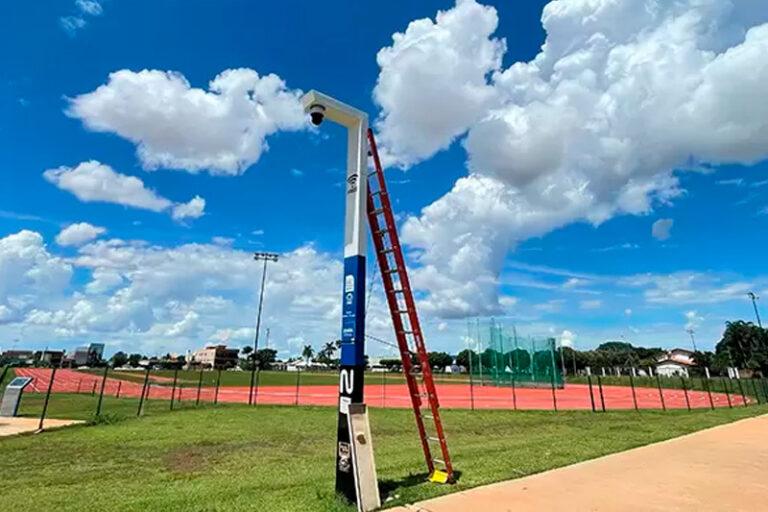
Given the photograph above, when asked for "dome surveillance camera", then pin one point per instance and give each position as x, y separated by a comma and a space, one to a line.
317, 114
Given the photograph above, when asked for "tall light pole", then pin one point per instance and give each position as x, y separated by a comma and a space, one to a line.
754, 297
265, 257
691, 332
352, 367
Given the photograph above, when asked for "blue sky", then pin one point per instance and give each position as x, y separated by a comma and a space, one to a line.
527, 192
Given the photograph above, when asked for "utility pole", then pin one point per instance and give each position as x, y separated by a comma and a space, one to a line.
754, 297
265, 257
693, 340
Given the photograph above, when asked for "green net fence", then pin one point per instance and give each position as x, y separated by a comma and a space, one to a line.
500, 356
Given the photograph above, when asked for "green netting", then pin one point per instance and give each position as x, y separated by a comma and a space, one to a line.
502, 357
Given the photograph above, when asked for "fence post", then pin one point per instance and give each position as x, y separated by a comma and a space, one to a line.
143, 392
298, 384
173, 389
600, 387
253, 375
554, 395
101, 391
661, 393
384, 388
632, 385
199, 385
705, 382
256, 391
471, 383
93, 388
79, 382
2, 375
218, 383
754, 388
47, 399
726, 386
514, 393
591, 395
685, 390
119, 386
741, 390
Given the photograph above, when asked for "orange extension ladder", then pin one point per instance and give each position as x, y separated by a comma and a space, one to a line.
405, 320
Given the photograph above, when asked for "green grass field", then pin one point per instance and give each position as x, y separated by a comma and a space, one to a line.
233, 457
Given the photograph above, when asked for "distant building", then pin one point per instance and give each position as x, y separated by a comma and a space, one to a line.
215, 356
50, 357
19, 357
674, 363
90, 355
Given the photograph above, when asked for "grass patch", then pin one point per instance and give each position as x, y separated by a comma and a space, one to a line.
237, 458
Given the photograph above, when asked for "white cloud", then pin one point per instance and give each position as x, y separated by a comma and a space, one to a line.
432, 85
662, 229
91, 7
222, 130
194, 209
71, 24
628, 312
79, 234
692, 320
93, 181
590, 304
567, 338
688, 288
620, 96
29, 274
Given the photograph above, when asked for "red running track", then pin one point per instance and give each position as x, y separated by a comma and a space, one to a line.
460, 396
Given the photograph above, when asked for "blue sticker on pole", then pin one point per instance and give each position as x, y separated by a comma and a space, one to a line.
353, 312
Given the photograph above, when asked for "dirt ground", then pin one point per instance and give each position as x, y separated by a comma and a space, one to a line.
13, 426
719, 469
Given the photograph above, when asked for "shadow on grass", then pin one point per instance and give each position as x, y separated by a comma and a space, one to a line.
388, 487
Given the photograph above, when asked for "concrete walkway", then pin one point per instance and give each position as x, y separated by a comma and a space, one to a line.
723, 468
13, 426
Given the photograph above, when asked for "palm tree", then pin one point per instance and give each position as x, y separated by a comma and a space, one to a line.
307, 353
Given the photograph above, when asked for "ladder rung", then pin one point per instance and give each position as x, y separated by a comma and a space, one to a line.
402, 311
392, 271
399, 290
428, 416
434, 439
377, 211
441, 461
377, 192
387, 251
381, 231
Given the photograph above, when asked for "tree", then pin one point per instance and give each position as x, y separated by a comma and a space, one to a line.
391, 364
133, 360
745, 344
265, 357
246, 350
462, 358
325, 355
307, 353
439, 360
119, 359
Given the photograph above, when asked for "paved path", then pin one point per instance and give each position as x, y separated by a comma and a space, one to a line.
723, 468
13, 426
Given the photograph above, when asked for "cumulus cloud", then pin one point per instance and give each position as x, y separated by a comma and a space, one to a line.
622, 95
222, 130
432, 84
157, 298
78, 234
29, 274
93, 181
194, 209
662, 229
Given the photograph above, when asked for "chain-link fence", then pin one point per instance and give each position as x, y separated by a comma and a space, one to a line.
105, 395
